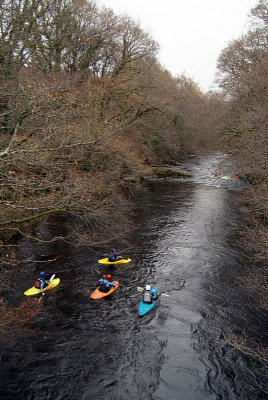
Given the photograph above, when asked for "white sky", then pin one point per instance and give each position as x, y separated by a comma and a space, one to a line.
191, 33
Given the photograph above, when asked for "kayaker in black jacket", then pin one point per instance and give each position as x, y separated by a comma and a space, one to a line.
106, 283
113, 255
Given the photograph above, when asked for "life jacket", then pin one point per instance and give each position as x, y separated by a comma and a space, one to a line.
105, 283
38, 284
147, 297
39, 281
112, 257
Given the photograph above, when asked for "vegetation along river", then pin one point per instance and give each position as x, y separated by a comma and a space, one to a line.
183, 242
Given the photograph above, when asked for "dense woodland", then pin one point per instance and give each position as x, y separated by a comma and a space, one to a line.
85, 106
243, 76
86, 110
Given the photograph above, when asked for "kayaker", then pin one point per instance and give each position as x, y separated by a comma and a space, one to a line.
41, 283
105, 283
149, 294
114, 255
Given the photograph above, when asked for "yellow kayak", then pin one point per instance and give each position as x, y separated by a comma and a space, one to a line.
122, 261
33, 290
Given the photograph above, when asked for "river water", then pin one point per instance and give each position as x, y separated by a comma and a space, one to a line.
182, 242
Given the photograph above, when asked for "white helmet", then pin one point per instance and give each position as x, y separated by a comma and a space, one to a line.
148, 287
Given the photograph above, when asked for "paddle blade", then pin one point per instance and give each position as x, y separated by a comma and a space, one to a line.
52, 277
140, 289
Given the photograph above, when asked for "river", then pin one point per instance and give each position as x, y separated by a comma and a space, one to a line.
183, 242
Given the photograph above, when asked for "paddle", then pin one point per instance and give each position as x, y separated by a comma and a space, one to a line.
140, 289
97, 271
52, 277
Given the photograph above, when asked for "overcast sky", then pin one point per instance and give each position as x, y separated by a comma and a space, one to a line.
191, 33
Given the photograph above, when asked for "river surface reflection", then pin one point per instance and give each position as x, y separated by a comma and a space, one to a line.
182, 243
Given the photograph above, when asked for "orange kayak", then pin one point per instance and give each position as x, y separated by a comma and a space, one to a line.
99, 295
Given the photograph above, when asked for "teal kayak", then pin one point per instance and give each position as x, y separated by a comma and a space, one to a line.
144, 308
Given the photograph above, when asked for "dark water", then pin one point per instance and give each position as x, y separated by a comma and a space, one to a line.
183, 243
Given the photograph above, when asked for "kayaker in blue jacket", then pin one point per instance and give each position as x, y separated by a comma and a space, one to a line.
114, 255
41, 283
105, 283
149, 294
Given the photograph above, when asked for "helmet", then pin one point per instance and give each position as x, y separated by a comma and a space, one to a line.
109, 276
42, 274
148, 287
113, 250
